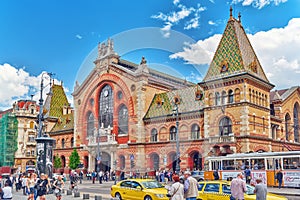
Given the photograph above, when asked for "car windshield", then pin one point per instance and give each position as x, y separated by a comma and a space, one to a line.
152, 184
250, 189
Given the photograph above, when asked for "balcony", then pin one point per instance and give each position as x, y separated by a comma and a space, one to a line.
104, 140
221, 139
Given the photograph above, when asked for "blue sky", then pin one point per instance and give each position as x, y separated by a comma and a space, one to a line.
61, 36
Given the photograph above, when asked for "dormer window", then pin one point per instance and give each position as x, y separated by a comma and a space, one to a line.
224, 66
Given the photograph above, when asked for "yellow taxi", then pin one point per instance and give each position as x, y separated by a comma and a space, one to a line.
140, 189
213, 190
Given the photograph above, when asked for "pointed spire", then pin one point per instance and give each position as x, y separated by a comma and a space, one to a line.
240, 17
230, 16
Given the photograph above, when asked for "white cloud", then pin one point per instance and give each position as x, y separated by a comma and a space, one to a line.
210, 22
180, 13
17, 84
259, 3
277, 50
78, 36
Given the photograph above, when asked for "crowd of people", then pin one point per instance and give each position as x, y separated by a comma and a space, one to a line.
32, 186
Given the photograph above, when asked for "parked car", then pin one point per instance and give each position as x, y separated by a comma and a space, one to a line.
221, 190
198, 175
146, 189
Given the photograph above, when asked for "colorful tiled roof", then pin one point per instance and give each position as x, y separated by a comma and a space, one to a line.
56, 101
163, 104
65, 122
234, 55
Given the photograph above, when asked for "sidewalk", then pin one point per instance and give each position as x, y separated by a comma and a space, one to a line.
285, 191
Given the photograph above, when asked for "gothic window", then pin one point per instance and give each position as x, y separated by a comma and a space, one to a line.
106, 107
223, 100
218, 98
210, 99
72, 142
173, 133
195, 132
254, 122
90, 124
237, 95
287, 124
230, 96
296, 122
123, 120
250, 96
153, 135
63, 143
225, 126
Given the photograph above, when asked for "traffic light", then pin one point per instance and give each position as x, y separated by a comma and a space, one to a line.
132, 164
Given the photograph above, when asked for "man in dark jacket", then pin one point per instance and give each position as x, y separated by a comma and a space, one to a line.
279, 177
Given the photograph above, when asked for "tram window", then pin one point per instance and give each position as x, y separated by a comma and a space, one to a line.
273, 163
228, 165
257, 164
291, 163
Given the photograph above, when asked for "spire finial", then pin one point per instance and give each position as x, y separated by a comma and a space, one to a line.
231, 12
240, 17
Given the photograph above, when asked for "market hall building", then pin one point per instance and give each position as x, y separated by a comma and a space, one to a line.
125, 121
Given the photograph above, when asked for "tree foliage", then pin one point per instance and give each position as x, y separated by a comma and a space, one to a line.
57, 162
74, 159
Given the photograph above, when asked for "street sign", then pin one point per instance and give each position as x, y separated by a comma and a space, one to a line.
131, 157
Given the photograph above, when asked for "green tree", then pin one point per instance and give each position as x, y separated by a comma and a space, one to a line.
74, 159
57, 162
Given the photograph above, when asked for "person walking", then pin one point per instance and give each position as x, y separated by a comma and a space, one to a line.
176, 190
216, 175
30, 186
279, 177
238, 188
190, 186
248, 175
7, 192
41, 186
58, 185
260, 190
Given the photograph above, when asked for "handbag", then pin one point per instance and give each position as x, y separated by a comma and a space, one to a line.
170, 196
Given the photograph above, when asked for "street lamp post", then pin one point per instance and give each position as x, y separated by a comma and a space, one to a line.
44, 146
177, 168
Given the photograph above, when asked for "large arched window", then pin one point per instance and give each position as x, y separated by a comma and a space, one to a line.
173, 133
225, 126
90, 124
123, 120
195, 132
122, 162
106, 107
296, 122
154, 161
287, 121
153, 137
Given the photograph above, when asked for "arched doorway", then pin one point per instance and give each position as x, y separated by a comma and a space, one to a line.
63, 161
154, 163
86, 162
172, 159
122, 162
195, 161
104, 164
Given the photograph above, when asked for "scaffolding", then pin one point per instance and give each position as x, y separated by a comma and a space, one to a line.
8, 139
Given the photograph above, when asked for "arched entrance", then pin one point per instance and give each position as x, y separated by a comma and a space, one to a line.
104, 164
86, 162
172, 159
63, 161
195, 161
122, 162
154, 163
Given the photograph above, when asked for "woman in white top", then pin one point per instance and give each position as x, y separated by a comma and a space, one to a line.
7, 192
30, 185
176, 190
